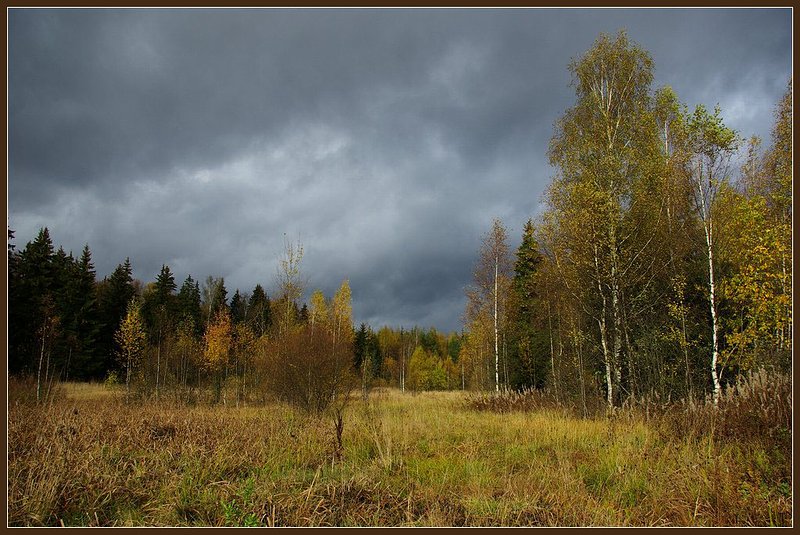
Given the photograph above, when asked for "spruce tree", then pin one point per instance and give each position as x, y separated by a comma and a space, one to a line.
31, 285
238, 308
529, 361
258, 311
189, 304
117, 291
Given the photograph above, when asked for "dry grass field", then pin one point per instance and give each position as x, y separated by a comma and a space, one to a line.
428, 459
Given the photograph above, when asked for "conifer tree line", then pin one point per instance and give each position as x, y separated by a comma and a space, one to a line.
661, 265
159, 338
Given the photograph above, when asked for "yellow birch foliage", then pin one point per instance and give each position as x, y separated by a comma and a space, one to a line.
131, 337
218, 340
757, 289
318, 311
343, 312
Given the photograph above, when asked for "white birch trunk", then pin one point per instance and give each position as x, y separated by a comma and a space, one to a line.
713, 306
158, 361
708, 229
601, 322
552, 350
496, 352
617, 355
39, 373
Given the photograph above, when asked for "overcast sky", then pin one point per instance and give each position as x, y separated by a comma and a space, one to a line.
383, 140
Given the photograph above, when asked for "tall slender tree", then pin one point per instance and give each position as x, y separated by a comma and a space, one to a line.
529, 348
606, 151
486, 297
712, 144
131, 339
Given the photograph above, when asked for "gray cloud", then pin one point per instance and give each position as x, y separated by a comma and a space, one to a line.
385, 140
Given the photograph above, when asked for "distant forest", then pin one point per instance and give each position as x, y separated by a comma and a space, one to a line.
660, 267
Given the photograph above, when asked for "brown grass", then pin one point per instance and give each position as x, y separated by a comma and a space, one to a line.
90, 459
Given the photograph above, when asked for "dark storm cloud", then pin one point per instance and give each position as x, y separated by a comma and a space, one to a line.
385, 140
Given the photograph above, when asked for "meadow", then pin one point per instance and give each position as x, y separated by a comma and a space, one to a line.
88, 458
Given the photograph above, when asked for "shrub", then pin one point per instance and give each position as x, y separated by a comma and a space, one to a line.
112, 380
308, 369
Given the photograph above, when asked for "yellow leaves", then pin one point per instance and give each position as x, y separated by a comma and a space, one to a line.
428, 371
131, 336
343, 311
218, 339
318, 311
759, 288
245, 341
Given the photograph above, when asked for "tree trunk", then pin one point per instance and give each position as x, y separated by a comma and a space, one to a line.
713, 306
601, 322
708, 229
47, 372
158, 361
66, 368
505, 361
615, 311
496, 352
403, 371
552, 349
128, 377
39, 373
364, 379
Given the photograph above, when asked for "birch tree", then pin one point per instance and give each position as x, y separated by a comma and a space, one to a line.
218, 341
604, 149
290, 282
711, 144
131, 339
491, 283
318, 312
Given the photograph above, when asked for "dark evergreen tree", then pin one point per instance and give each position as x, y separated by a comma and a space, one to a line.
429, 340
165, 286
529, 359
366, 348
87, 321
360, 349
238, 307
189, 304
13, 298
115, 293
31, 285
160, 303
75, 299
454, 347
258, 311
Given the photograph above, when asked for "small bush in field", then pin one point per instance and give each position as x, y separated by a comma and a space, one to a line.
310, 369
112, 380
